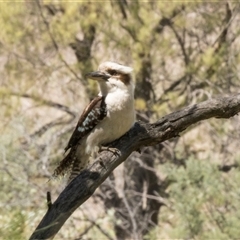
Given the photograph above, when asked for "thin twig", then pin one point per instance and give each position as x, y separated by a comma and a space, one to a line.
46, 102
85, 231
87, 218
49, 200
55, 43
233, 15
47, 126
132, 217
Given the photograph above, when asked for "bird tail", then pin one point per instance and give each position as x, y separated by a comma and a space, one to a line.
64, 166
73, 174
76, 169
70, 166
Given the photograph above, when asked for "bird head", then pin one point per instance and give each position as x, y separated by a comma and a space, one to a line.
113, 77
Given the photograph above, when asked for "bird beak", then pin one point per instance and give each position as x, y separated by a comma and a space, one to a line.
98, 76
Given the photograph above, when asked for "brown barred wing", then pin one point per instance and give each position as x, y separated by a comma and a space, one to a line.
91, 116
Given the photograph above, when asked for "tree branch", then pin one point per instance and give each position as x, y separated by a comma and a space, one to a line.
47, 126
45, 102
54, 41
142, 134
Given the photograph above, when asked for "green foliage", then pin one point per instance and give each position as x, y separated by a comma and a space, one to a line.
12, 30
13, 225
140, 104
204, 200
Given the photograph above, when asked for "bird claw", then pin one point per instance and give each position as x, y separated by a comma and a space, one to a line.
115, 151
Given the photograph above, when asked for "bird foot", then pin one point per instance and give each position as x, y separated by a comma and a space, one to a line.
115, 151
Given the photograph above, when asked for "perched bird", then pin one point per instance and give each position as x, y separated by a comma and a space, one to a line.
108, 116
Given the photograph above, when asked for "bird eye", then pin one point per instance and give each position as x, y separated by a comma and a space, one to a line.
112, 72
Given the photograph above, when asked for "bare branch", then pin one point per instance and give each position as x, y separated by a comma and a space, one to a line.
132, 218
181, 43
221, 38
85, 232
55, 43
46, 102
142, 134
47, 126
99, 228
227, 168
49, 200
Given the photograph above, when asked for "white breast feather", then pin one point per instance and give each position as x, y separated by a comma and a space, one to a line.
120, 118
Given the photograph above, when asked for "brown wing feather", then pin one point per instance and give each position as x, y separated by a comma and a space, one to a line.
91, 115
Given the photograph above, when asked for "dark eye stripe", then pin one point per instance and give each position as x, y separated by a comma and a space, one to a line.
112, 72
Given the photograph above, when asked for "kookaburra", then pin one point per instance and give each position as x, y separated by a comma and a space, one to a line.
108, 116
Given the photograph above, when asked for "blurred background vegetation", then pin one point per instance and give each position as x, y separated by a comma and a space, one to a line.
182, 53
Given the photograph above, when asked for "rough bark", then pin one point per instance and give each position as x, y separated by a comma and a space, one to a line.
170, 126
